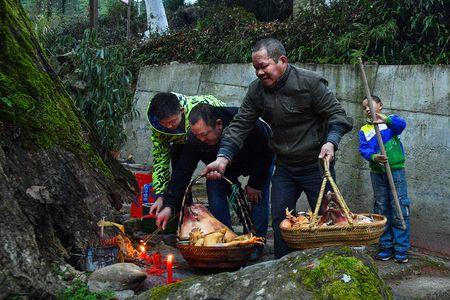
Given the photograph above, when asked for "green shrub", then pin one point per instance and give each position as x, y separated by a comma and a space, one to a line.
389, 32
95, 74
173, 5
79, 290
106, 101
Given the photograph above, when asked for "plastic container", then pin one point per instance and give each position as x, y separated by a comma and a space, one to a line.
144, 198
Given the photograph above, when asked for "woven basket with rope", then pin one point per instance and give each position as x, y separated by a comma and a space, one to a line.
351, 234
219, 257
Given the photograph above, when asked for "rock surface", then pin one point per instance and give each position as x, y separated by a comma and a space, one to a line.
299, 275
117, 277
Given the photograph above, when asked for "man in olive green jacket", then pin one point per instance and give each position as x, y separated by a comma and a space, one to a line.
307, 124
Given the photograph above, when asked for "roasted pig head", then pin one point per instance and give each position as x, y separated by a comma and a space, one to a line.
331, 212
197, 216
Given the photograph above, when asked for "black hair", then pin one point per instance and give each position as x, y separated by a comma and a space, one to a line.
164, 105
374, 98
273, 47
205, 112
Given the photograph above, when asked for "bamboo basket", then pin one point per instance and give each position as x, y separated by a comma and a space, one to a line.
216, 258
351, 234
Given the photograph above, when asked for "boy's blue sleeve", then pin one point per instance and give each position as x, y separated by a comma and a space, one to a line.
364, 147
396, 124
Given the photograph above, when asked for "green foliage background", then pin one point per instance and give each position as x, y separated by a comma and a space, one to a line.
221, 31
389, 32
91, 64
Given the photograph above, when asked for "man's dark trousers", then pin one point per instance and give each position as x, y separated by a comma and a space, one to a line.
288, 183
218, 192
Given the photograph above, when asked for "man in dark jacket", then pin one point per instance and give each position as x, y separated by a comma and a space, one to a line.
255, 160
307, 123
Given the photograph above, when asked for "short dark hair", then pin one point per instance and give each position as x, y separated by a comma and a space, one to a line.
164, 105
205, 112
375, 98
274, 48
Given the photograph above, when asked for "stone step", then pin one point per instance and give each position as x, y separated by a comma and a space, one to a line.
421, 287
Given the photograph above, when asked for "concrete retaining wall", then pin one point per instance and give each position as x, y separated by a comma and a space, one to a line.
418, 93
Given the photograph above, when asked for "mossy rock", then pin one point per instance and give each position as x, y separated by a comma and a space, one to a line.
328, 273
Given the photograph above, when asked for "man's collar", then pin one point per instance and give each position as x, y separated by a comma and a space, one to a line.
282, 80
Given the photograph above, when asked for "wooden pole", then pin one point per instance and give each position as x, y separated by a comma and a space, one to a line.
381, 144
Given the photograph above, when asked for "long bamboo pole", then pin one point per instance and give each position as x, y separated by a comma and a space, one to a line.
381, 144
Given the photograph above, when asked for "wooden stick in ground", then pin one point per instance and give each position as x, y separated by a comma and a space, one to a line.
381, 144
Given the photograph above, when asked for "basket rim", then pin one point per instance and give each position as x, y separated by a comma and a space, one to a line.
377, 223
245, 246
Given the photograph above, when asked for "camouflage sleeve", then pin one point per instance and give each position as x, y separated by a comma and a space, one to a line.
213, 101
161, 162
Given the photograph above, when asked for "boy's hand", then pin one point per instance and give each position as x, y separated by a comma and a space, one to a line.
381, 159
163, 217
156, 207
380, 118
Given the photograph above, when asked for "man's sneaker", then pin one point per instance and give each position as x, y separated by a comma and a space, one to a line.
385, 254
401, 257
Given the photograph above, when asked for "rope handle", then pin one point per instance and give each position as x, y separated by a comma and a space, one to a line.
241, 206
343, 205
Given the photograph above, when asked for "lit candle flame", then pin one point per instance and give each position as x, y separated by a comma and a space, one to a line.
170, 257
142, 247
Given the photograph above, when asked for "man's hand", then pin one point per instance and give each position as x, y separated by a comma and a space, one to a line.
381, 159
156, 206
215, 169
253, 195
380, 119
163, 217
327, 150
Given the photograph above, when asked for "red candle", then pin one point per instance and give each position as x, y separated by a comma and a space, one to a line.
156, 260
142, 248
143, 255
169, 264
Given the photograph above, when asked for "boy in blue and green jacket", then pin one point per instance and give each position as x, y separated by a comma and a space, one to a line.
395, 241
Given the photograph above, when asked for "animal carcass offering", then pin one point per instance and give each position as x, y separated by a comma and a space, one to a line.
201, 228
331, 215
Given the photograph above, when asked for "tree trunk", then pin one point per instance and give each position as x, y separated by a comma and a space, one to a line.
38, 7
130, 4
49, 8
156, 18
54, 184
93, 13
